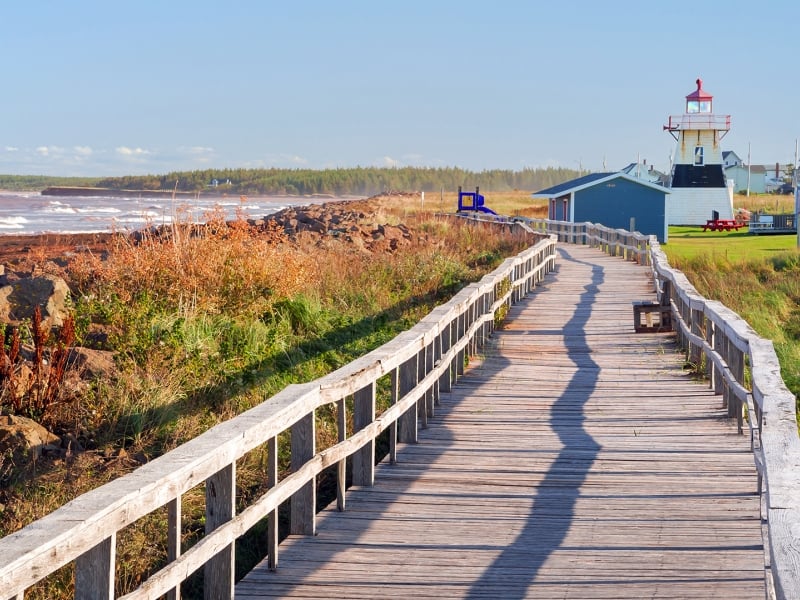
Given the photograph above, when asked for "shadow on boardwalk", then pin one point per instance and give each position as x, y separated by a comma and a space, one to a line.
555, 497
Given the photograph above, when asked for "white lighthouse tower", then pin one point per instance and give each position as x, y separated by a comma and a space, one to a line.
697, 181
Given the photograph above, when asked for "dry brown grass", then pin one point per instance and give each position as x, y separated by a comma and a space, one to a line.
213, 267
768, 203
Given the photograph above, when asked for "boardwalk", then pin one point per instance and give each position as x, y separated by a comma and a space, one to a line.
577, 460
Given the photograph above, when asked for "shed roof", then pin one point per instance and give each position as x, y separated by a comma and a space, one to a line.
591, 180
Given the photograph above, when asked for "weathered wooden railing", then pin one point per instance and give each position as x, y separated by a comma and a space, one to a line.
616, 242
743, 369
420, 363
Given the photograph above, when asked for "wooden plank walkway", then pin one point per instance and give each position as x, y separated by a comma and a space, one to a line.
576, 460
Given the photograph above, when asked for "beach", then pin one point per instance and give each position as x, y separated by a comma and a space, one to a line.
19, 248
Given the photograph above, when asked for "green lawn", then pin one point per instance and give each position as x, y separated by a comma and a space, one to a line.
756, 276
688, 242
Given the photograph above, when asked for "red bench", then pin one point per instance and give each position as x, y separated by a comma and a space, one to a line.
722, 225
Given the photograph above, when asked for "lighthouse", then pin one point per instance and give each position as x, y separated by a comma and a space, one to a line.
699, 189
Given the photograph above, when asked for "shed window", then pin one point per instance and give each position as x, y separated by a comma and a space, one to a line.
698, 155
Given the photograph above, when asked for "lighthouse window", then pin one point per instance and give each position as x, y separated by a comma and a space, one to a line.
698, 155
692, 106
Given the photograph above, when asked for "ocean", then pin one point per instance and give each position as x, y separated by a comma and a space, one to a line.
32, 213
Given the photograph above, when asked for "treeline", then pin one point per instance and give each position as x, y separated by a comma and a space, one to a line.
359, 181
39, 182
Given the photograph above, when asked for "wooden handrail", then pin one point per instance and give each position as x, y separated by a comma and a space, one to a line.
711, 333
420, 361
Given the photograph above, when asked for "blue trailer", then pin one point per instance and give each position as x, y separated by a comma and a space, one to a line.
473, 201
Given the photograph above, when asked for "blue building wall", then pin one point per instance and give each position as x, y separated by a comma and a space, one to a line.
614, 202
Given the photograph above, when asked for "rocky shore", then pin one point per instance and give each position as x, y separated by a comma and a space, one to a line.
34, 271
16, 248
354, 221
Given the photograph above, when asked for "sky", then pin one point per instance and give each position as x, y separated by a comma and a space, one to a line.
111, 88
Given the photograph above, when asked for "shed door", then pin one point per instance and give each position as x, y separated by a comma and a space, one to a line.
566, 209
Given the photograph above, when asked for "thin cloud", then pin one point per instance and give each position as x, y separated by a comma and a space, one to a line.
83, 150
49, 150
388, 161
11, 149
125, 151
413, 159
197, 150
278, 160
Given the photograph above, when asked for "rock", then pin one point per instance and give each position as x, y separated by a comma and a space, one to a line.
92, 363
23, 379
19, 298
341, 221
71, 443
22, 435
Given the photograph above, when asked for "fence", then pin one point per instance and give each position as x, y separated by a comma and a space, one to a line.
420, 363
741, 367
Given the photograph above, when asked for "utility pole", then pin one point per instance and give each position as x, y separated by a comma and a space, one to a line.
748, 169
796, 196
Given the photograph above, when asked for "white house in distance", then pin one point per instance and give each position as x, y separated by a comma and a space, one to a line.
731, 159
744, 177
697, 182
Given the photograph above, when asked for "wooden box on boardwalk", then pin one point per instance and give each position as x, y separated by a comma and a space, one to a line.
644, 312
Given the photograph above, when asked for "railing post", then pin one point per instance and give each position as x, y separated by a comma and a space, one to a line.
394, 427
719, 341
94, 571
407, 380
218, 577
437, 360
725, 352
174, 540
461, 328
444, 341
431, 395
363, 415
341, 466
272, 517
422, 403
710, 368
737, 369
486, 327
303, 502
698, 319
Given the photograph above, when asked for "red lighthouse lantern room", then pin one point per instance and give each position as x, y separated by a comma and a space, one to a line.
699, 101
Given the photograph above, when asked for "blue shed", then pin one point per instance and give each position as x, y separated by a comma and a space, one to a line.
610, 199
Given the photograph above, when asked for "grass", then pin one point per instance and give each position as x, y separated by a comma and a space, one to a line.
687, 242
757, 276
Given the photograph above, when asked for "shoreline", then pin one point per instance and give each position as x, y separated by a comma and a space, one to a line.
49, 246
